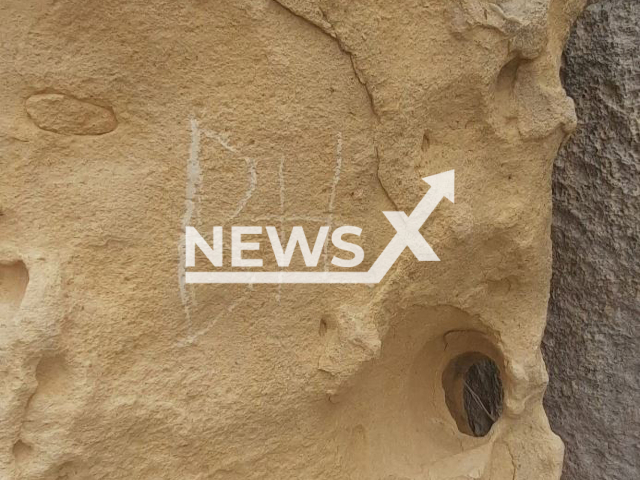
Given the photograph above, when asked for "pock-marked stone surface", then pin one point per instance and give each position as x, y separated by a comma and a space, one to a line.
123, 122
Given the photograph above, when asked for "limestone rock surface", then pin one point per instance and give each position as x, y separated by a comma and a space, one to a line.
124, 122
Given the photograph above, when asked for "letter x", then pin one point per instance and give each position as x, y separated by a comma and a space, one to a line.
408, 233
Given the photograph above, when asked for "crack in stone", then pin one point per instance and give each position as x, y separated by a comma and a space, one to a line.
331, 32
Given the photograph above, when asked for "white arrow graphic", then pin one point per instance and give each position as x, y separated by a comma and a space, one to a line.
407, 235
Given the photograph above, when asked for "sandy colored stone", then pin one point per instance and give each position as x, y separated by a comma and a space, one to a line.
69, 116
285, 113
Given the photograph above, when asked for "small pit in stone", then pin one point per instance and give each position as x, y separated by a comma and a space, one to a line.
505, 88
14, 278
426, 143
21, 451
473, 393
322, 330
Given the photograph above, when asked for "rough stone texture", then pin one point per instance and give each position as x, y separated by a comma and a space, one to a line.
592, 342
160, 115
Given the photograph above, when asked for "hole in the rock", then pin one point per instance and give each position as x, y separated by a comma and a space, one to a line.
322, 330
507, 76
67, 470
426, 143
14, 278
473, 393
52, 375
505, 87
482, 396
21, 451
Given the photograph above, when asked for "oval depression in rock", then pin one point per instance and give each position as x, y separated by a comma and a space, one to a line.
67, 115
